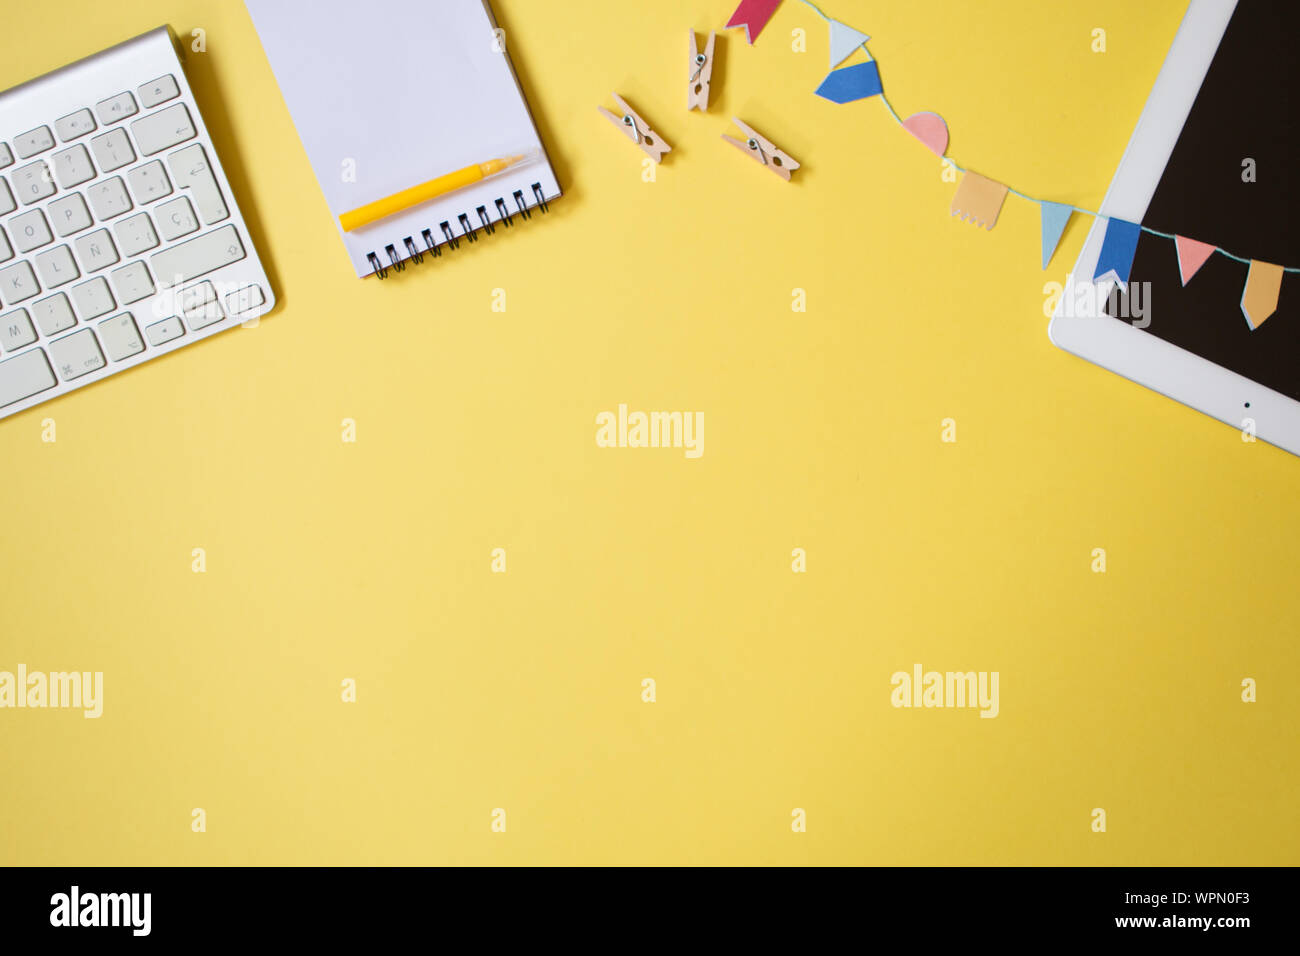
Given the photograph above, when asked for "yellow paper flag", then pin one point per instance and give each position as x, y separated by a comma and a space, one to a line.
979, 200
1259, 298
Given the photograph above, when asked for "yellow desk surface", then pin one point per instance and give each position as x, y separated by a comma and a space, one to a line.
475, 429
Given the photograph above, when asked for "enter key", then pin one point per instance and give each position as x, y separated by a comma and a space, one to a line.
190, 170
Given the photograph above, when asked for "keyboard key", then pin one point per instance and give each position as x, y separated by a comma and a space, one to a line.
6, 251
56, 267
7, 204
72, 167
30, 230
92, 298
165, 331
149, 182
18, 282
195, 257
194, 297
135, 235
154, 132
132, 283
33, 182
24, 376
96, 250
205, 315
6, 157
176, 218
159, 91
53, 315
76, 354
191, 171
16, 330
33, 142
69, 214
199, 305
112, 150
120, 337
244, 300
108, 198
74, 124
116, 108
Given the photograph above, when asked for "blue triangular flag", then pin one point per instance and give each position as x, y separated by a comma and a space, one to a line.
1055, 216
1117, 250
844, 40
855, 82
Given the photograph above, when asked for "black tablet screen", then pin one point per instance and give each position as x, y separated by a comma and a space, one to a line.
1244, 111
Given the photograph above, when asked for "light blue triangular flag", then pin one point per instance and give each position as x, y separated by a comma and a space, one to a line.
1055, 216
844, 40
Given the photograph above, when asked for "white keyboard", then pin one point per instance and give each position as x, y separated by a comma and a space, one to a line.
120, 239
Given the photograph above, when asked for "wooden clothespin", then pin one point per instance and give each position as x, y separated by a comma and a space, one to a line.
701, 72
638, 130
764, 151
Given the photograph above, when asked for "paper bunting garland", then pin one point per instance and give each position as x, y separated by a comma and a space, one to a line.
1117, 249
844, 40
855, 82
1055, 217
1191, 256
753, 16
1259, 298
930, 129
979, 199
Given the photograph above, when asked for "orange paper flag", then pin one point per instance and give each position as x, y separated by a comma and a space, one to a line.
1259, 298
979, 200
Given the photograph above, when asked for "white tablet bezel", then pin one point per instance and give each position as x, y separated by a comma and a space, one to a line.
1119, 346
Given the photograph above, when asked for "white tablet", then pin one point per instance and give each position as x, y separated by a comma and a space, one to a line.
1211, 159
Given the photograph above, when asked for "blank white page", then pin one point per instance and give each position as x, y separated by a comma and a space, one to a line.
389, 95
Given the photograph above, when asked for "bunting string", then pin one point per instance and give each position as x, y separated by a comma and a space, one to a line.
979, 198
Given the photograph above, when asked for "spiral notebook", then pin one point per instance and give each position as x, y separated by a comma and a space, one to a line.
394, 95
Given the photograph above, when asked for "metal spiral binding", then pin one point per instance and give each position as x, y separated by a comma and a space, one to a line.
469, 231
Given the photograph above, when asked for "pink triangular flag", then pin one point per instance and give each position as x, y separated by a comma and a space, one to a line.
930, 129
1191, 256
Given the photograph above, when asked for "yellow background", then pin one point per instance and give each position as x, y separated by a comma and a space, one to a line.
370, 561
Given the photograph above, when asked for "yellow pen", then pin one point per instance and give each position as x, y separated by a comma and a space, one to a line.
434, 188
